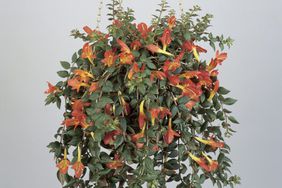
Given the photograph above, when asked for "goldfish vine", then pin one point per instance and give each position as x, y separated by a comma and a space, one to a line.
142, 105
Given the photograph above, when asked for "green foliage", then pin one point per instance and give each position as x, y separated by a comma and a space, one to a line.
103, 94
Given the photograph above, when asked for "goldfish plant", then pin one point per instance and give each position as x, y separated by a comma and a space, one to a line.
142, 106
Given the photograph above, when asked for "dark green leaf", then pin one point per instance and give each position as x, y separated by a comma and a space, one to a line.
229, 101
65, 64
63, 74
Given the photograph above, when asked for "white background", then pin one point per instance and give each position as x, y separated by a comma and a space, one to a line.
34, 37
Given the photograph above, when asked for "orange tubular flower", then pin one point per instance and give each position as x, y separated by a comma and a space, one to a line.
78, 167
170, 66
166, 38
126, 58
78, 105
138, 136
110, 137
171, 21
211, 143
174, 80
213, 164
92, 32
213, 92
157, 74
142, 116
190, 91
170, 134
125, 105
88, 30
124, 47
76, 84
94, 87
79, 118
219, 58
144, 30
87, 52
160, 111
135, 45
202, 162
155, 49
64, 164
134, 69
190, 74
189, 46
116, 163
84, 76
109, 58
51, 89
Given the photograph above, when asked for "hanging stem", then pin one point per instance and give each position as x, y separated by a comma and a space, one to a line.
98, 21
181, 7
163, 5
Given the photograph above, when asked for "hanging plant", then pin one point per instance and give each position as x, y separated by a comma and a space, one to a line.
143, 106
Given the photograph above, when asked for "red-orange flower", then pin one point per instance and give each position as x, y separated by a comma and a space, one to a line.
211, 142
189, 46
170, 66
124, 47
110, 137
170, 133
219, 58
78, 105
51, 89
190, 90
134, 69
126, 58
125, 105
213, 92
64, 164
155, 49
108, 109
171, 21
83, 75
166, 39
78, 167
190, 74
116, 163
160, 111
87, 52
142, 116
206, 163
144, 30
157, 74
88, 30
94, 87
78, 115
138, 136
94, 32
174, 80
76, 84
204, 79
135, 45
109, 58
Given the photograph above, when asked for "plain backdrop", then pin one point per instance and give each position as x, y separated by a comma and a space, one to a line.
34, 37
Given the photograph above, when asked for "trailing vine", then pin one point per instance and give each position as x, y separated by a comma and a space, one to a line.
142, 106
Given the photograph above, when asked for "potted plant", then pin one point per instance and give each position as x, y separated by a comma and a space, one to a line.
143, 106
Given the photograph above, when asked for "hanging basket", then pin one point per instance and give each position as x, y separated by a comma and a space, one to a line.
142, 105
